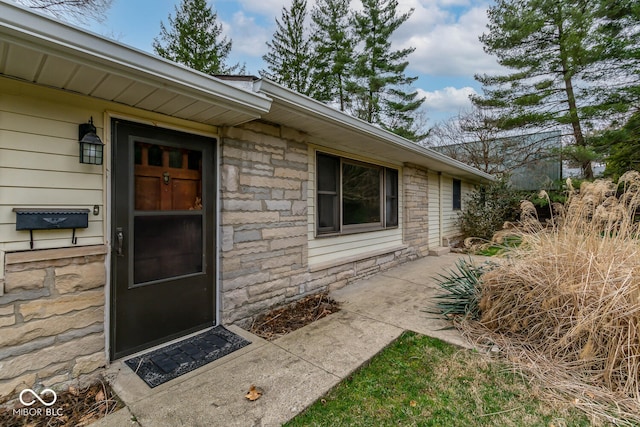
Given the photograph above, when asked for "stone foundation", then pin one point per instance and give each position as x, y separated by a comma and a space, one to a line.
52, 318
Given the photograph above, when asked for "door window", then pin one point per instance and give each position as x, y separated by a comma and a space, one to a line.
168, 222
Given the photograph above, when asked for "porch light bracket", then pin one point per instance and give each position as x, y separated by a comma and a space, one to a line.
91, 146
51, 219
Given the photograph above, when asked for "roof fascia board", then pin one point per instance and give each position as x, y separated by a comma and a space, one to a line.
36, 31
320, 110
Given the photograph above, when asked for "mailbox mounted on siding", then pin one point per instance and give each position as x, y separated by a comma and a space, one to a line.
51, 219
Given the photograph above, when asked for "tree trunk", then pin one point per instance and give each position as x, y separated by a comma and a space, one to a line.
573, 109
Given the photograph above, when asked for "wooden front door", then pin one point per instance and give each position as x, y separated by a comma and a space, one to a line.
163, 222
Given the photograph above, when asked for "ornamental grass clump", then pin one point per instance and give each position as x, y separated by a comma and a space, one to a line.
565, 303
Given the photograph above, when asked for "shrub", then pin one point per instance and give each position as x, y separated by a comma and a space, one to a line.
461, 290
569, 296
488, 208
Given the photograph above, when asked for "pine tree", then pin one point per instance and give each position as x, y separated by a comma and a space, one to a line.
380, 94
621, 147
557, 60
333, 45
289, 56
618, 38
194, 38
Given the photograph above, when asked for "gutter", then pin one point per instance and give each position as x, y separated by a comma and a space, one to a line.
324, 112
40, 33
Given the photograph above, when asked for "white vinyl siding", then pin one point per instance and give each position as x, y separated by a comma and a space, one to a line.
331, 249
443, 219
39, 168
434, 210
39, 160
450, 216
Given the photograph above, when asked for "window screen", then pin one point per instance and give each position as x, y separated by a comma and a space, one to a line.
354, 196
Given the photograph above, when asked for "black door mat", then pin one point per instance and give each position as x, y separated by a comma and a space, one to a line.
166, 363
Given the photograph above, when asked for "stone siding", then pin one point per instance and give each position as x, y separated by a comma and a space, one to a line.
416, 210
264, 224
52, 318
264, 219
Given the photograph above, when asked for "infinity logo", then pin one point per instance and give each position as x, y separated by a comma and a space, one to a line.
37, 397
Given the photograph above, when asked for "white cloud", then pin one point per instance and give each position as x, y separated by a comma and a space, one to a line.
268, 8
447, 100
248, 37
446, 44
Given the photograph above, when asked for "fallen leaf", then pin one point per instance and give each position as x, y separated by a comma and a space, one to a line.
413, 403
253, 394
99, 396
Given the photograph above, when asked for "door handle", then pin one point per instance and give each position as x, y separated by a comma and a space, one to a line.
119, 241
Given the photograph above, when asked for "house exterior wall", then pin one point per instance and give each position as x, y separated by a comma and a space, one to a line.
434, 202
443, 228
269, 252
52, 319
331, 250
450, 216
39, 164
53, 300
263, 220
418, 215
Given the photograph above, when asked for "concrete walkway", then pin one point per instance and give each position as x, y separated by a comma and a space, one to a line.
297, 369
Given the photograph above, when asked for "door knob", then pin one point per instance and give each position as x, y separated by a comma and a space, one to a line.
119, 241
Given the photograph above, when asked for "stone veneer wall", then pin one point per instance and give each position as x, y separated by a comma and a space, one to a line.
52, 318
416, 209
264, 224
263, 220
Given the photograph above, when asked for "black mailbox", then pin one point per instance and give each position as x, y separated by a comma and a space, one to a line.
51, 219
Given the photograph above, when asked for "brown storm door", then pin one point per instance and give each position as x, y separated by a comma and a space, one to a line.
163, 233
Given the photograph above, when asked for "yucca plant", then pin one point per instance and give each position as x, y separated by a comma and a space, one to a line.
461, 290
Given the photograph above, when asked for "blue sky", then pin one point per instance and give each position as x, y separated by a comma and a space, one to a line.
444, 33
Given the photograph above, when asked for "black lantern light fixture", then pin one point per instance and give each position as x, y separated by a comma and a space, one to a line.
90, 144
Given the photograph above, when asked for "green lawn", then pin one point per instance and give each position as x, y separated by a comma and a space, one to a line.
423, 381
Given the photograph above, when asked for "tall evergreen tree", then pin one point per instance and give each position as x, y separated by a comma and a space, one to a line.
556, 56
621, 147
333, 45
379, 93
618, 39
289, 56
194, 38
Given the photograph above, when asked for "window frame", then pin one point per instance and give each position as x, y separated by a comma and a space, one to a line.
456, 194
387, 220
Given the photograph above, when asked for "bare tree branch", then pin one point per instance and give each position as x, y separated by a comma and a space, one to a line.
75, 10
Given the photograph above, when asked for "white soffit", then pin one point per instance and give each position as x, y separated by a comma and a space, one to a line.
40, 50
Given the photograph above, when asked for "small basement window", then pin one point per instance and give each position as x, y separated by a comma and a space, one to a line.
354, 196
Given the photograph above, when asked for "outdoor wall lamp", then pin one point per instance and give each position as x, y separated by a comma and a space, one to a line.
90, 144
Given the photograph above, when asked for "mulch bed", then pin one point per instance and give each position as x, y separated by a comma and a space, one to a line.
281, 321
75, 407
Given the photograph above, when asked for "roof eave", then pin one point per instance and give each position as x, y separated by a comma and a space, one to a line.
312, 107
36, 31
